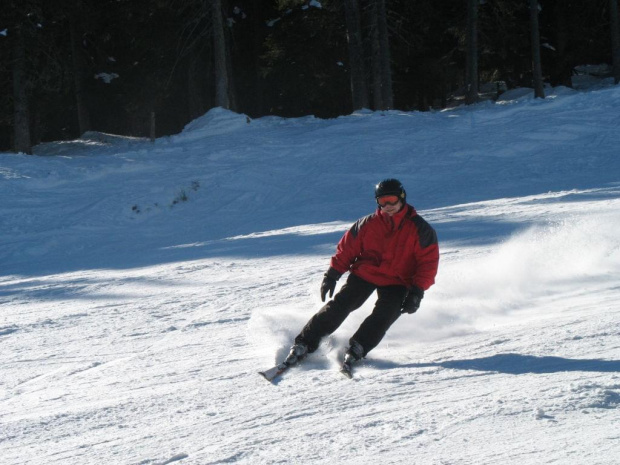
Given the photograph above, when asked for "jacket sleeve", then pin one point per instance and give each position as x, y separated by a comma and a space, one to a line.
427, 255
349, 247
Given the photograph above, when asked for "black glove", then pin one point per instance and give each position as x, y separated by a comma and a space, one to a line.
412, 300
329, 283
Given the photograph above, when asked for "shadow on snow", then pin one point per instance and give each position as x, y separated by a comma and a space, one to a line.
515, 364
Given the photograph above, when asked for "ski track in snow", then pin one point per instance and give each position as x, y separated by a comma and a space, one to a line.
132, 327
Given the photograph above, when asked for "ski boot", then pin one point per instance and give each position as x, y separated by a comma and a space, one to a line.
353, 354
298, 352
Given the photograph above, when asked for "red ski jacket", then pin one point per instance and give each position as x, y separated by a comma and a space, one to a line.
397, 250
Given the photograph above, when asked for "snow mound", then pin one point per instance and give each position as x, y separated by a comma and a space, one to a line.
216, 121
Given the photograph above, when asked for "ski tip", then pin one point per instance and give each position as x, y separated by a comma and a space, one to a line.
272, 373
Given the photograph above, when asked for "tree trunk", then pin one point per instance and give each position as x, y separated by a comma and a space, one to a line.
539, 90
232, 94
195, 95
258, 80
222, 80
359, 92
152, 128
375, 57
78, 78
615, 39
21, 119
387, 95
471, 74
561, 73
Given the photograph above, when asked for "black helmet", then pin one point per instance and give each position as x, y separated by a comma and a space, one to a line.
390, 187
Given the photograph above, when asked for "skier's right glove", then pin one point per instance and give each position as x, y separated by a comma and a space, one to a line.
329, 283
412, 300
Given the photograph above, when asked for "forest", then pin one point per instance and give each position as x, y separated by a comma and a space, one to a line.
146, 68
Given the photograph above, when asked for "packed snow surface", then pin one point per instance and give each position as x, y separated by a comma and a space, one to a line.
143, 286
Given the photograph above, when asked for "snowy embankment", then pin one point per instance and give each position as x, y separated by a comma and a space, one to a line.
143, 285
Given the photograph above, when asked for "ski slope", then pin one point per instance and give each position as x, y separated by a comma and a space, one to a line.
143, 285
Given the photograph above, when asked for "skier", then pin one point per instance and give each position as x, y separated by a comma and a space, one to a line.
393, 251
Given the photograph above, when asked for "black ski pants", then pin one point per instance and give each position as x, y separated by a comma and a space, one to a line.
351, 297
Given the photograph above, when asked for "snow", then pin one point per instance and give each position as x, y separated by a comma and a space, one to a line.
144, 284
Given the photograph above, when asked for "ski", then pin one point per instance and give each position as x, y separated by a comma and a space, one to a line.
274, 372
294, 358
297, 354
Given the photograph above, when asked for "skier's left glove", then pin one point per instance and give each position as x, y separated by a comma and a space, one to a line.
412, 300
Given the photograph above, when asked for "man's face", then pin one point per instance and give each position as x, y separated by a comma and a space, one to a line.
390, 204
392, 209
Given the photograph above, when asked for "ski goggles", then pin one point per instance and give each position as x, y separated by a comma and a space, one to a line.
386, 200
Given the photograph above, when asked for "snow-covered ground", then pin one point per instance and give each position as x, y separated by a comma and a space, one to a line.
144, 284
